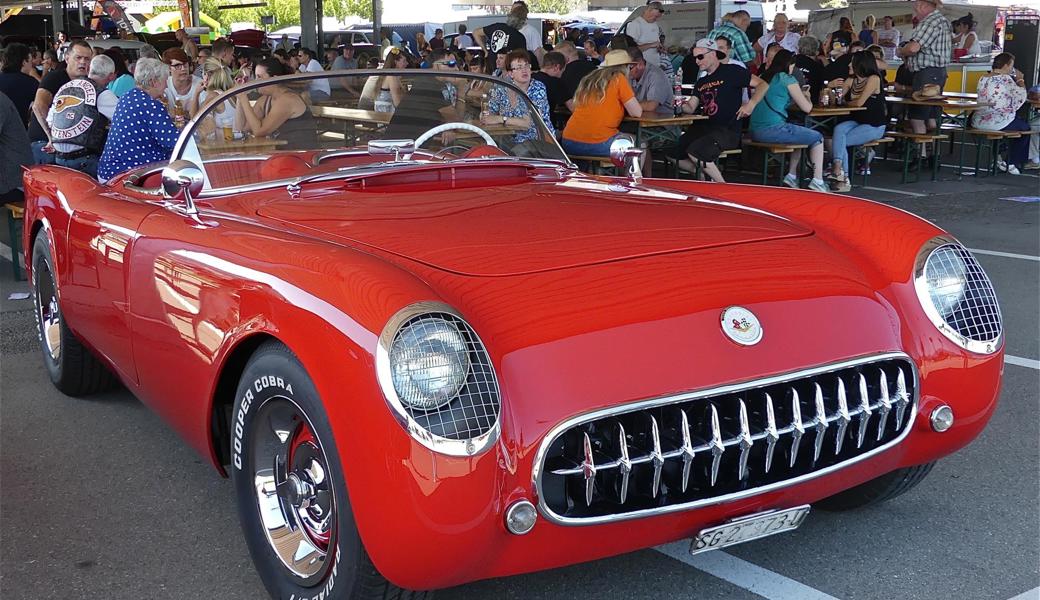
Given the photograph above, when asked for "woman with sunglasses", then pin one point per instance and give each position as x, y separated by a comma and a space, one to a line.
601, 101
505, 104
769, 119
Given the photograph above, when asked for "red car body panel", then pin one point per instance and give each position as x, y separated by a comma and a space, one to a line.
585, 297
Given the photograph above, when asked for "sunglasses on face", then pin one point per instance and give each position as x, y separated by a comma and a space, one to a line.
699, 57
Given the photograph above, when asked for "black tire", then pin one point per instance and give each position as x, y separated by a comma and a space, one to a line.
878, 490
276, 394
72, 367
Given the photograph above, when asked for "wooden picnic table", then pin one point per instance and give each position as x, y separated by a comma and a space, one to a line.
662, 127
341, 113
821, 117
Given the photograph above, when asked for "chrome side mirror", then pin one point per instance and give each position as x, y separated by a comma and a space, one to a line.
183, 180
625, 155
395, 147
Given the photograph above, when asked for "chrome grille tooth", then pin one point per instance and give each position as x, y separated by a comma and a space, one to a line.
886, 405
624, 463
843, 416
772, 437
716, 444
864, 411
745, 441
821, 420
687, 449
588, 469
796, 422
656, 458
902, 397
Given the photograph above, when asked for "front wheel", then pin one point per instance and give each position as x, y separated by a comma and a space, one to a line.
878, 490
292, 497
71, 366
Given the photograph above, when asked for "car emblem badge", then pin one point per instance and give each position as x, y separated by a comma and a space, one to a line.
741, 325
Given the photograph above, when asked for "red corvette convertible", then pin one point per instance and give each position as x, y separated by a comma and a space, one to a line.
427, 350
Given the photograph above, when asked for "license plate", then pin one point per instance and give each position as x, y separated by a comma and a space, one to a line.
751, 527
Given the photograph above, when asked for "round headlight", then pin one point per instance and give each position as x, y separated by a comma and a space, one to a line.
429, 362
946, 277
957, 295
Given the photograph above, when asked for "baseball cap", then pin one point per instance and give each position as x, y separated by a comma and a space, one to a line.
708, 44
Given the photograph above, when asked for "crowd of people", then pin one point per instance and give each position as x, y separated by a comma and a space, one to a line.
116, 115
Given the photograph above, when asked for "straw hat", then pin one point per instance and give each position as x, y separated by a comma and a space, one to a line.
615, 58
930, 91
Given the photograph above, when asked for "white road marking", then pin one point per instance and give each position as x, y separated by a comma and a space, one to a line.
1033, 594
1004, 254
743, 574
1022, 362
881, 189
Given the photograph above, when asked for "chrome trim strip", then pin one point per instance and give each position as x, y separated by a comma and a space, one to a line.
987, 347
843, 416
821, 419
716, 446
688, 452
865, 412
886, 406
550, 437
797, 428
625, 465
469, 447
772, 437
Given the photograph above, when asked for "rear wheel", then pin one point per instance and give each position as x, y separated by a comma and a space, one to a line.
878, 490
72, 367
292, 498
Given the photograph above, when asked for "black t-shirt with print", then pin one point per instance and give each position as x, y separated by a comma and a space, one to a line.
499, 36
52, 82
572, 76
813, 73
721, 93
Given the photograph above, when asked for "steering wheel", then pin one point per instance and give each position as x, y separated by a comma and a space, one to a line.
419, 141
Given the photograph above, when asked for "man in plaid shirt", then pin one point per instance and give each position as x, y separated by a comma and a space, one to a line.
742, 49
927, 54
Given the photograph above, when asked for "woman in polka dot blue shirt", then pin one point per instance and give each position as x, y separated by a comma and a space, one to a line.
142, 131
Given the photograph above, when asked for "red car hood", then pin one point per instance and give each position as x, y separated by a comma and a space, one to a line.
528, 228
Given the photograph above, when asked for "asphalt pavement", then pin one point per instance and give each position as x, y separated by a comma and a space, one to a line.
100, 499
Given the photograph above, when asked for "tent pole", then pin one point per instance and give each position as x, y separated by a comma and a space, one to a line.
195, 14
377, 26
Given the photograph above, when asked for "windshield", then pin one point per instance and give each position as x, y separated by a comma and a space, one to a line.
283, 128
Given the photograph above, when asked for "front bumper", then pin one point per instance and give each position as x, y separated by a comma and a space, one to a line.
446, 526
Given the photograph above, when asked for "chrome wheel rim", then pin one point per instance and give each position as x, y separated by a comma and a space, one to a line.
48, 314
293, 490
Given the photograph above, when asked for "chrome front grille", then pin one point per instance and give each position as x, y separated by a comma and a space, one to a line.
708, 447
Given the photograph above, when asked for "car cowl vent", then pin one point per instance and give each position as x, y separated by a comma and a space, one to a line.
703, 448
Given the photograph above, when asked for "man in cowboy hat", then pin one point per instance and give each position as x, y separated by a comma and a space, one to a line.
927, 55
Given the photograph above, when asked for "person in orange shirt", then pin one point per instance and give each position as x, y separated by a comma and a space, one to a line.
600, 103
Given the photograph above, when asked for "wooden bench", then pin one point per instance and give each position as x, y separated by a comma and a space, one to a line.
673, 165
774, 153
985, 138
910, 139
15, 214
862, 150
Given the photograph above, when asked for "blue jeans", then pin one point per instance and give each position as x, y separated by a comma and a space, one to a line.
851, 133
41, 157
1018, 148
84, 164
787, 133
586, 149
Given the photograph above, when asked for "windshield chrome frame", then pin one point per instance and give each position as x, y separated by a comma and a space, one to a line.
189, 129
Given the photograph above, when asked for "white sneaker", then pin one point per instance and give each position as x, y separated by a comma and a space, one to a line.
1001, 165
819, 185
1013, 170
791, 181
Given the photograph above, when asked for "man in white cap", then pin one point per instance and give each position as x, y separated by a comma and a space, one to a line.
719, 95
